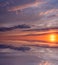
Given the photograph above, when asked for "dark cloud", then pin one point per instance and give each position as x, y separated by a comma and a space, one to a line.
23, 48
23, 26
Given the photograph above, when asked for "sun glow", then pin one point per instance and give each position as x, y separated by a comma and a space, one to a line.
52, 37
48, 38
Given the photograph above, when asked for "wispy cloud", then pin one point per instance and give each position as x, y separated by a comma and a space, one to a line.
35, 3
33, 12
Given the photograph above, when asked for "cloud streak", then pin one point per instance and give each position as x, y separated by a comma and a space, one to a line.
23, 26
24, 6
14, 48
29, 28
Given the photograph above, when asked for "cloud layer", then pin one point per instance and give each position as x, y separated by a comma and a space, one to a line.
28, 12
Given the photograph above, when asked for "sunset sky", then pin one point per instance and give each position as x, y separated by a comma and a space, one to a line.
29, 21
28, 32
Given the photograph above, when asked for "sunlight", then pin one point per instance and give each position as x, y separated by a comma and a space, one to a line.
52, 37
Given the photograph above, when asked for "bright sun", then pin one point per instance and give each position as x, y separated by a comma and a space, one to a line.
52, 37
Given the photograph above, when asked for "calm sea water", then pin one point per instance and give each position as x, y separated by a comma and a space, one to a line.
35, 56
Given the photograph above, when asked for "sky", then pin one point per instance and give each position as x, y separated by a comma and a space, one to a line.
34, 13
25, 21
28, 32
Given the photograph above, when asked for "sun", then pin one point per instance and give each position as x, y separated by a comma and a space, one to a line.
52, 37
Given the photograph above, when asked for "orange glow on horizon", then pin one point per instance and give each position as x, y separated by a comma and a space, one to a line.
47, 39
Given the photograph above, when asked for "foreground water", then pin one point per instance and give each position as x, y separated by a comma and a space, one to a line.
35, 56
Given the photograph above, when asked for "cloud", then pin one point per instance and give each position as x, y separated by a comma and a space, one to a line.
46, 28
35, 3
29, 15
23, 48
23, 26
49, 12
46, 11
